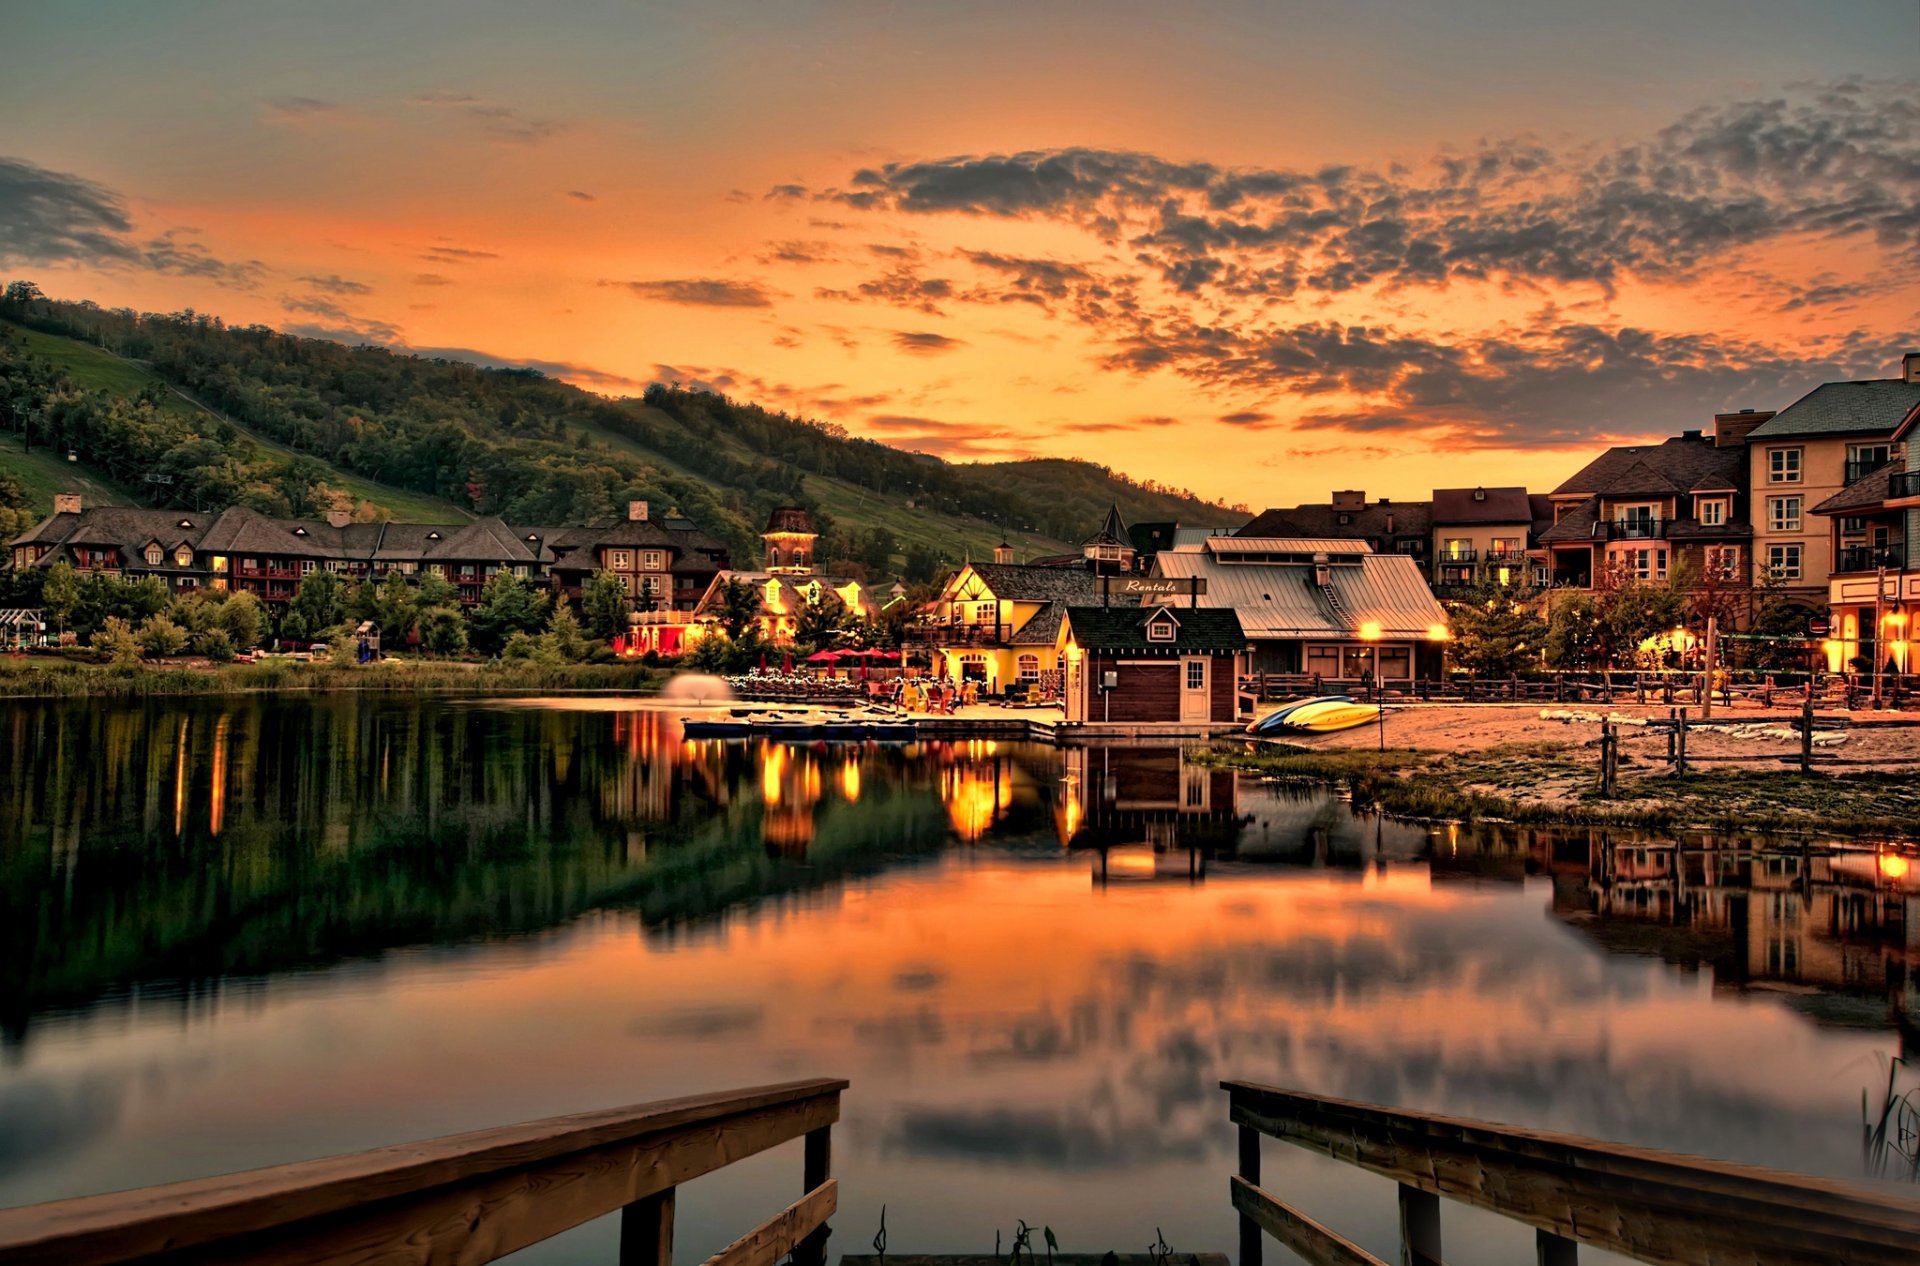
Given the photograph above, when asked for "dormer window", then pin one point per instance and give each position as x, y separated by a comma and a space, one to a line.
299, 531
185, 523
183, 557
1160, 631
155, 555
433, 536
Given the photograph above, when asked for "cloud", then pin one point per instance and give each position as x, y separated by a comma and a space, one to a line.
572, 371
339, 325
797, 252
334, 283
786, 193
581, 195
1246, 417
295, 109
925, 343
455, 255
701, 292
50, 217
499, 122
902, 287
431, 279
948, 439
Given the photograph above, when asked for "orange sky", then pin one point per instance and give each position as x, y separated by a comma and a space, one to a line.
1256, 250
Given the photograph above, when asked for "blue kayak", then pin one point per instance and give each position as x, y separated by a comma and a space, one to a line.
1275, 722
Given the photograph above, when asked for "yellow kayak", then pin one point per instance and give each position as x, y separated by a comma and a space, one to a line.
1327, 716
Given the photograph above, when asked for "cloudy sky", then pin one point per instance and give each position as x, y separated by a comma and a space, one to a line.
1259, 249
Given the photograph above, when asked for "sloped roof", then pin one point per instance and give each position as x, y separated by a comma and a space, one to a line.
1018, 582
242, 531
790, 519
1864, 494
790, 589
1198, 629
1113, 530
485, 539
1481, 505
1843, 408
1575, 525
1678, 465
1042, 628
1281, 600
1410, 518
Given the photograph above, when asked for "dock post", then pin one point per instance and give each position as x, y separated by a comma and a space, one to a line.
646, 1231
1419, 1227
1806, 733
1555, 1250
818, 1167
1680, 750
1250, 1171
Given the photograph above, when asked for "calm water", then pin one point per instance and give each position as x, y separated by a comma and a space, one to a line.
242, 932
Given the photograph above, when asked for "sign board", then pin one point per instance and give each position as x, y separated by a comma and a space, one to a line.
1152, 587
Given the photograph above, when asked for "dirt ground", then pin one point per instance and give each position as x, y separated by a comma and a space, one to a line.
1870, 740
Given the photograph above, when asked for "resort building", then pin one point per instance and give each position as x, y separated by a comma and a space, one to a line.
664, 564
1153, 665
1805, 457
1873, 544
1387, 526
1333, 608
996, 623
787, 588
1639, 511
1482, 535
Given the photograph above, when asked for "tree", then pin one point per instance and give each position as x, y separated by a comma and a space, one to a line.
563, 635
294, 481
390, 605
116, 641
1782, 628
60, 593
821, 624
878, 549
507, 606
160, 637
740, 606
443, 631
317, 605
433, 590
1576, 636
1497, 632
242, 619
212, 643
1635, 613
603, 601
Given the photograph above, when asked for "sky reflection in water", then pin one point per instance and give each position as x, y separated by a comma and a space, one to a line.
261, 931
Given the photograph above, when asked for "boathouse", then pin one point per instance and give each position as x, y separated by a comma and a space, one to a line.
1153, 665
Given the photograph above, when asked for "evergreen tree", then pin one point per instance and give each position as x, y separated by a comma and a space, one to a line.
603, 601
507, 606
1497, 632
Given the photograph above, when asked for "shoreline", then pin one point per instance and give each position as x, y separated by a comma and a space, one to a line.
68, 680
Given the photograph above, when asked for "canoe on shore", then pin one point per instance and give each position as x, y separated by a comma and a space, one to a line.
1325, 715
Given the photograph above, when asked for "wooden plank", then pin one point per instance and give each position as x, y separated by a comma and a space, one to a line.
1419, 1227
782, 1233
1554, 1250
1315, 1244
817, 1165
646, 1230
1251, 1247
1660, 1207
463, 1198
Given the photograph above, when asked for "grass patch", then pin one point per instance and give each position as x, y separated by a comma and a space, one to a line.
1547, 783
44, 679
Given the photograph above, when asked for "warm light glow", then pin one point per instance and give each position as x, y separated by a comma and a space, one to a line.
772, 766
1370, 631
1894, 866
850, 780
1437, 633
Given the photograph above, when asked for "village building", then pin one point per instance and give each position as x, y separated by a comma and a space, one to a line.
1482, 535
1637, 512
1807, 456
1151, 665
786, 588
1335, 609
997, 623
1387, 526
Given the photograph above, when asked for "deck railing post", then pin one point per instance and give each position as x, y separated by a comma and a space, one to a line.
646, 1230
1250, 1170
1555, 1250
1419, 1227
818, 1167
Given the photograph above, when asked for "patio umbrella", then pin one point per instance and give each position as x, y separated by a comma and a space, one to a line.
786, 663
825, 657
763, 663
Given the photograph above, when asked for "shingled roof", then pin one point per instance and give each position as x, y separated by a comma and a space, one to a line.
1867, 407
1685, 463
1481, 505
1016, 582
1198, 630
1409, 519
1864, 494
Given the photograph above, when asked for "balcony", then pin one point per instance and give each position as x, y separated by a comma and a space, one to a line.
1859, 468
1505, 555
981, 633
1630, 530
1856, 558
1905, 483
1449, 555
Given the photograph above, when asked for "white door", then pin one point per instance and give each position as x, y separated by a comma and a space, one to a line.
1195, 697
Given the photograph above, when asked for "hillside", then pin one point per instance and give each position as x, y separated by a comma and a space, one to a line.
184, 407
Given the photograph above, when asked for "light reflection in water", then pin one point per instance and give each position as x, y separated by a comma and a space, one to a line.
376, 920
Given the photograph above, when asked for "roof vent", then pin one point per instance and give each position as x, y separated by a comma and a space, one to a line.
1479, 494
299, 531
433, 536
186, 523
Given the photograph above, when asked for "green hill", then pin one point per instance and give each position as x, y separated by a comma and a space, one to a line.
184, 408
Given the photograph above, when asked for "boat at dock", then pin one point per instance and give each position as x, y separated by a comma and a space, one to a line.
802, 728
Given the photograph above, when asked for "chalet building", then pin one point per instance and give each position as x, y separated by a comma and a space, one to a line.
996, 623
1150, 665
1387, 526
1637, 511
787, 587
1120, 796
239, 549
1333, 608
1483, 535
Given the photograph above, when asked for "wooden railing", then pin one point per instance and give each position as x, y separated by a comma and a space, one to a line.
1649, 1205
465, 1198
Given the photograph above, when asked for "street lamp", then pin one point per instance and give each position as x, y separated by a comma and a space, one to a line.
1370, 634
1879, 629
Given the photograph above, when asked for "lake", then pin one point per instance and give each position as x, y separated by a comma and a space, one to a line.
246, 931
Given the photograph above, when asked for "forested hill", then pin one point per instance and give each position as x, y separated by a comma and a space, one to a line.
247, 415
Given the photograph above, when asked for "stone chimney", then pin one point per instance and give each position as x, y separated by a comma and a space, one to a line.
339, 518
1003, 553
1910, 367
1730, 429
66, 503
1350, 499
636, 512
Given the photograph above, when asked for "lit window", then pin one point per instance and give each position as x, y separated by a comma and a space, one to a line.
220, 562
652, 560
1784, 561
183, 557
1027, 667
620, 559
1783, 465
1783, 514
1196, 674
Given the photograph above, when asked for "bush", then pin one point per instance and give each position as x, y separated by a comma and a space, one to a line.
116, 641
160, 637
214, 644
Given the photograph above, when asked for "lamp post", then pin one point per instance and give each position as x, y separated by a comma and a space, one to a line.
1879, 629
1370, 634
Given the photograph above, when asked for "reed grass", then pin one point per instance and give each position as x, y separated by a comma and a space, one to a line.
67, 679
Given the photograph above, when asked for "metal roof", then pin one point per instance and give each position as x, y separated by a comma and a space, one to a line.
1281, 600
1225, 545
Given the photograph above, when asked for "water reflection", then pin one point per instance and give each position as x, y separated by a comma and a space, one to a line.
249, 931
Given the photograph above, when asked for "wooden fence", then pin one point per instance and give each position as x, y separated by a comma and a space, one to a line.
1836, 690
1650, 1205
466, 1198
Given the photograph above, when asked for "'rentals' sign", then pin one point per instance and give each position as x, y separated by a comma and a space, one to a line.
1150, 587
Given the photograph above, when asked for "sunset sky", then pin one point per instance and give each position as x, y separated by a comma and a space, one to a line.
1260, 250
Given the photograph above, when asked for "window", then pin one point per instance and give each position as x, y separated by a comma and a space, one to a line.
155, 555
520, 570
1160, 631
1408, 546
622, 559
1853, 526
652, 560
1506, 547
1722, 561
1647, 564
1784, 561
407, 569
306, 566
1027, 668
626, 583
1456, 547
1196, 674
1712, 511
1783, 465
650, 586
1783, 514
183, 557
985, 612
220, 562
